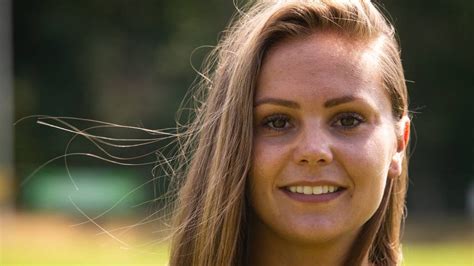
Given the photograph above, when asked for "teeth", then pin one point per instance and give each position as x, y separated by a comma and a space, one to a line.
316, 190
325, 189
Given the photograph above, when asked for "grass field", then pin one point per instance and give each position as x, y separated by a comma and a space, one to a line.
30, 240
448, 253
415, 254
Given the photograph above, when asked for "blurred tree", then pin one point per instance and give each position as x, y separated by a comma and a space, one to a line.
129, 62
6, 107
437, 41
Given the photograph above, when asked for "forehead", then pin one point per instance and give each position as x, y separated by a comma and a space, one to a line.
339, 42
327, 49
321, 62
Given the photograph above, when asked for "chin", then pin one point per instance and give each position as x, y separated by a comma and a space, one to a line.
309, 231
320, 234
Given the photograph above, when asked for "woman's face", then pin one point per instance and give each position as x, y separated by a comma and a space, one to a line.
325, 140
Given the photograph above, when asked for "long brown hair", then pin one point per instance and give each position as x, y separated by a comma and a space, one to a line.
211, 211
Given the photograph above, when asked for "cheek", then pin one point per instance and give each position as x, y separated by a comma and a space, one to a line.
267, 161
368, 167
370, 157
268, 165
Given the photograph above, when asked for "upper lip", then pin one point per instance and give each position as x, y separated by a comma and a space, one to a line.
313, 183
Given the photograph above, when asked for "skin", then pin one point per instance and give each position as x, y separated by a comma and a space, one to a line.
321, 117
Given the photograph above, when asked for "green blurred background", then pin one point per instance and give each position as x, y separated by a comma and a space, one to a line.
131, 62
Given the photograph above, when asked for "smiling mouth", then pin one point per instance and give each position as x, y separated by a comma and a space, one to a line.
313, 190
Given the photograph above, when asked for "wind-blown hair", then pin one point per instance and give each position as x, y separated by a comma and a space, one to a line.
211, 209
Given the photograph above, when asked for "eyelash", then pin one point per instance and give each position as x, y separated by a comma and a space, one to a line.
359, 119
273, 118
337, 121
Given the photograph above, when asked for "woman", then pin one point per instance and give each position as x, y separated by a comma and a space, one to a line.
299, 145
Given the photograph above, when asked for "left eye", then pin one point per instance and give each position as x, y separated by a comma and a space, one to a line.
349, 120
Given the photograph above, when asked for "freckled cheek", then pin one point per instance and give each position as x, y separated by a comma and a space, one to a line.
366, 163
267, 161
354, 155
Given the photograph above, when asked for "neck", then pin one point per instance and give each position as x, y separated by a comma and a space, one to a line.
265, 248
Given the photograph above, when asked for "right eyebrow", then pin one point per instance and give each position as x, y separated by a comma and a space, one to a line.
277, 101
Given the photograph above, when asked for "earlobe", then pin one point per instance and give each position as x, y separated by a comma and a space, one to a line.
395, 169
403, 136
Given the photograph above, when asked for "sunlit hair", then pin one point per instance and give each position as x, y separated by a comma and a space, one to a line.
211, 209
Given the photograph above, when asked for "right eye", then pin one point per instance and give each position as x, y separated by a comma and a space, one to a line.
277, 122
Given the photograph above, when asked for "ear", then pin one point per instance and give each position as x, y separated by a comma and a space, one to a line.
403, 136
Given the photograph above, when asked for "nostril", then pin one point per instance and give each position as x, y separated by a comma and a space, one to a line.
320, 161
313, 155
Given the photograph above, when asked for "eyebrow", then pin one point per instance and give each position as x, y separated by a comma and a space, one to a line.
340, 100
328, 104
277, 101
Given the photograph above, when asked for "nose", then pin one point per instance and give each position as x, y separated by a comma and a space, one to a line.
313, 147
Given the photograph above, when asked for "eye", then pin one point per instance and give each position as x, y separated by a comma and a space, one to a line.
277, 122
348, 120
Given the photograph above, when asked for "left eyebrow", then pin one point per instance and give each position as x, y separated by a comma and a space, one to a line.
340, 100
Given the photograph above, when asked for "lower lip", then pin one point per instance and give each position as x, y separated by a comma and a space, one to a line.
321, 198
